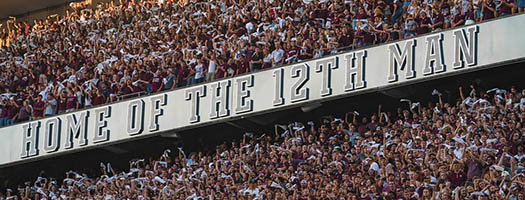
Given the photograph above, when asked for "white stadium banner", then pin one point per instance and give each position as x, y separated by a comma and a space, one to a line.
434, 55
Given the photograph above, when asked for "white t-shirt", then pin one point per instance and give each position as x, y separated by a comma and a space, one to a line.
277, 55
49, 110
212, 66
88, 101
268, 58
199, 69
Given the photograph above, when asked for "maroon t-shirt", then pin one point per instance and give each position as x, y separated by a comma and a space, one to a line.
345, 41
181, 74
155, 83
114, 88
458, 18
244, 67
438, 18
303, 51
13, 85
241, 32
61, 104
361, 16
98, 100
291, 53
38, 110
71, 102
487, 14
136, 88
420, 22
4, 112
469, 15
333, 18
220, 73
506, 9
23, 81
75, 64
368, 38
145, 76
11, 112
126, 89
457, 179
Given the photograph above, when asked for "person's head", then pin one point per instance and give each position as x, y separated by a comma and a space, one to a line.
427, 193
278, 45
364, 120
409, 17
422, 15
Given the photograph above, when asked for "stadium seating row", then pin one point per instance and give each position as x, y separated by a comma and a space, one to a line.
472, 148
117, 51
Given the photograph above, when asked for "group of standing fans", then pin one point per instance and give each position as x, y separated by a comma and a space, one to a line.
470, 148
119, 50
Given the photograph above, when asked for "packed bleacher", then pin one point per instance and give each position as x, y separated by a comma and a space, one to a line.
90, 57
470, 148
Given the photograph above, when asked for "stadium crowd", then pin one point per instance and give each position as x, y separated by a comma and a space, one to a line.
471, 148
89, 57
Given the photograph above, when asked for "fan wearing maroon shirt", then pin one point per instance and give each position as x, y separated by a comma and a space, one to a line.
231, 68
334, 16
239, 30
183, 75
488, 9
243, 66
114, 89
156, 82
459, 19
361, 14
505, 7
71, 101
145, 78
99, 99
127, 88
12, 111
437, 20
3, 113
368, 38
457, 176
291, 52
24, 113
38, 108
424, 23
221, 69
359, 37
62, 102
305, 52
134, 86
470, 17
256, 61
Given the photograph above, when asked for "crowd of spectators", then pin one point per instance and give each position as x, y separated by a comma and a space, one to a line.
89, 57
470, 148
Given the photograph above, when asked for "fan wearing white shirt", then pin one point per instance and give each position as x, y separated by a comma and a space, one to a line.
199, 71
277, 55
251, 190
210, 76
